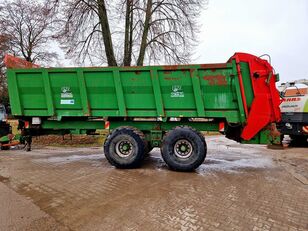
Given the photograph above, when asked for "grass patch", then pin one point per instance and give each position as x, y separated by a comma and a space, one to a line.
70, 140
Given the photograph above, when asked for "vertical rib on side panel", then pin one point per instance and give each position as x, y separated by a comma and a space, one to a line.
83, 93
14, 93
119, 93
197, 92
157, 94
48, 93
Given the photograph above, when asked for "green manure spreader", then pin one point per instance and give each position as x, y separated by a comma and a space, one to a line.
150, 106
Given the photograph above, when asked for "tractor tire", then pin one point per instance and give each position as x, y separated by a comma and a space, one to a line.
125, 147
183, 149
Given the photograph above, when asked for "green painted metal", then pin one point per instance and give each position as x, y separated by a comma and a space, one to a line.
153, 130
88, 125
119, 93
83, 93
48, 93
155, 137
158, 91
152, 126
76, 100
264, 137
157, 94
142, 125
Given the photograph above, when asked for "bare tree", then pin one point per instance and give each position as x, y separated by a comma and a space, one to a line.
28, 25
4, 47
130, 31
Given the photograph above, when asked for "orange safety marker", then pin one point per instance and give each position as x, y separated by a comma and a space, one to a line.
107, 125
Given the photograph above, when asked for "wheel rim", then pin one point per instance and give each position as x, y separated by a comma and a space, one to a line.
183, 149
124, 148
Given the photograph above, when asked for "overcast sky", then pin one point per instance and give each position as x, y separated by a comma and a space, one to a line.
275, 27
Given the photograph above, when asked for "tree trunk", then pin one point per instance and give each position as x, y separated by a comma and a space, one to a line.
106, 33
128, 33
131, 36
143, 45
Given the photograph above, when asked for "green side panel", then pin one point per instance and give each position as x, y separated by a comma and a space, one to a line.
209, 91
138, 90
13, 93
217, 88
31, 92
101, 90
177, 89
66, 93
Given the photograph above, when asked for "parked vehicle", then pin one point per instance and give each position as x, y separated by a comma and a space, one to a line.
153, 106
294, 109
5, 127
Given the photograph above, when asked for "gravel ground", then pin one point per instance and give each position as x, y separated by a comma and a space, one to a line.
239, 187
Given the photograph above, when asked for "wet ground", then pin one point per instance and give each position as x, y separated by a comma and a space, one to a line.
239, 187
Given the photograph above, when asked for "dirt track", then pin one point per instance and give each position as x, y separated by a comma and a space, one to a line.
239, 187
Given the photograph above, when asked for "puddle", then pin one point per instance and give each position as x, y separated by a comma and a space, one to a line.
70, 159
218, 165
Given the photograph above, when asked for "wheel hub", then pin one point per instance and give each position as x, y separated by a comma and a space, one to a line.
183, 149
124, 148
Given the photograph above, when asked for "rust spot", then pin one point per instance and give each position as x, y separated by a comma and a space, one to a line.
220, 80
170, 67
183, 70
192, 72
214, 66
134, 79
137, 72
167, 72
87, 112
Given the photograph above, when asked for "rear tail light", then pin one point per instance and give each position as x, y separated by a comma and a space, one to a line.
222, 126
